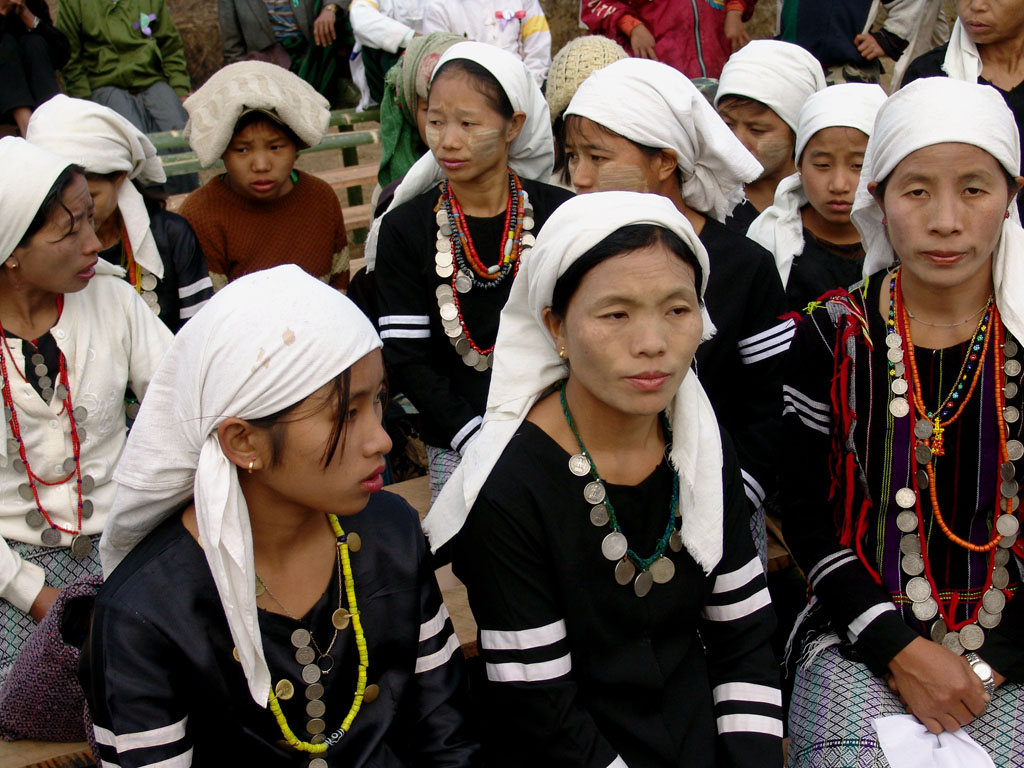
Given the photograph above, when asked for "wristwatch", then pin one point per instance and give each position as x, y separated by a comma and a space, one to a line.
331, 7
983, 671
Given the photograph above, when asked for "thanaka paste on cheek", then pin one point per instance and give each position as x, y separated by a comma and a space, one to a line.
483, 142
619, 177
772, 154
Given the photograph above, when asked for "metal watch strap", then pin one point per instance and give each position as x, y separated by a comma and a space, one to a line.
988, 681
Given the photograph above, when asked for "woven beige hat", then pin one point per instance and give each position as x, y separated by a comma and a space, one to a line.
573, 64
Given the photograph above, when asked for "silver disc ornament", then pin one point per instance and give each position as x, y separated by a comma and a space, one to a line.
624, 572
972, 637
643, 584
614, 546
662, 570
579, 465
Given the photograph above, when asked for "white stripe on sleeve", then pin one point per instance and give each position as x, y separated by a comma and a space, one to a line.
827, 560
523, 639
405, 333
761, 694
862, 622
196, 287
727, 582
514, 672
387, 320
738, 610
469, 428
750, 724
186, 312
436, 659
157, 737
429, 629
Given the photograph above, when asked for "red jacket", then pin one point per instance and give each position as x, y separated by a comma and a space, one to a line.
688, 34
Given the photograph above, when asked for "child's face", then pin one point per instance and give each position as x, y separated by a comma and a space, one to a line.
830, 167
259, 161
765, 135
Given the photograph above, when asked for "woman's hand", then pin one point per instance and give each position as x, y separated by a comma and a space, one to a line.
642, 42
43, 601
323, 26
938, 687
734, 31
868, 47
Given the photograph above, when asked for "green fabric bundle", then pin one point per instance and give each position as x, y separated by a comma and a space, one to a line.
404, 84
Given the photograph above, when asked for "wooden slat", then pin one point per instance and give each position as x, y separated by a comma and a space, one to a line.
45, 754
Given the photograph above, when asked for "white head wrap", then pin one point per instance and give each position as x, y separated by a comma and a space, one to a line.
777, 74
532, 154
780, 227
239, 357
27, 174
655, 105
526, 364
102, 141
214, 109
939, 110
962, 62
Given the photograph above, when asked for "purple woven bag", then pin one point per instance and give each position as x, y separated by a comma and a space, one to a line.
42, 698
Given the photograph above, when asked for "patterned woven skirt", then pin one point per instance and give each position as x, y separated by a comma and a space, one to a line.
835, 700
441, 462
61, 568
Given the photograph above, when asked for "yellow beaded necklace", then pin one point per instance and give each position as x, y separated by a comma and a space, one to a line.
357, 626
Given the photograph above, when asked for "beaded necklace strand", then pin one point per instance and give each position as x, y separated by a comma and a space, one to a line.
653, 569
353, 611
81, 545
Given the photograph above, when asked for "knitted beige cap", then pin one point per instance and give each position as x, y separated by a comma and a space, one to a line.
573, 64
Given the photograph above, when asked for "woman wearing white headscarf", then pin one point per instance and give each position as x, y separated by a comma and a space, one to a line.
808, 228
158, 250
760, 94
73, 336
903, 429
984, 48
450, 246
640, 125
623, 612
263, 604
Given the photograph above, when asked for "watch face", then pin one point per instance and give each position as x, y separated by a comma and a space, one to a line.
983, 670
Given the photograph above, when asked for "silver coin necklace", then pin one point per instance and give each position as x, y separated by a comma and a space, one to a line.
656, 569
71, 469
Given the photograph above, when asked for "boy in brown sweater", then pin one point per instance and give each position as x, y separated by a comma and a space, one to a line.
262, 212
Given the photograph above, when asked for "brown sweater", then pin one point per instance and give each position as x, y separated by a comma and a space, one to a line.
240, 235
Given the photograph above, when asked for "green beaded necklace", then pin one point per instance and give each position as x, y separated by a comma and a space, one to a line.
656, 568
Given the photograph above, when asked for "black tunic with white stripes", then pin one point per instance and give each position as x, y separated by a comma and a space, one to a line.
741, 367
422, 364
163, 688
582, 672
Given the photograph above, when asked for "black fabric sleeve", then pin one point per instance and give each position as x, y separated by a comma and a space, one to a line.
765, 338
406, 329
127, 671
186, 257
440, 696
736, 629
533, 717
861, 610
891, 43
56, 42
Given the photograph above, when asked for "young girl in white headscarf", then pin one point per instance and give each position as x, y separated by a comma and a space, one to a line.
264, 605
903, 431
762, 88
808, 228
640, 125
73, 336
448, 250
158, 250
623, 612
984, 48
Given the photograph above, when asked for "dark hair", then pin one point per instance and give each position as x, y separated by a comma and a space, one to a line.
154, 198
1011, 183
746, 101
573, 124
51, 203
621, 241
483, 82
258, 116
338, 398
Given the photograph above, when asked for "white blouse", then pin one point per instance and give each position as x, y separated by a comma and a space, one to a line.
111, 340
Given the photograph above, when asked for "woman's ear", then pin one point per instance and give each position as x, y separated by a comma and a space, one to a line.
879, 201
556, 329
243, 445
121, 179
666, 165
515, 125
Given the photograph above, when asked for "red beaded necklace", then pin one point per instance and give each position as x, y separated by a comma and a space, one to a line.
34, 480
